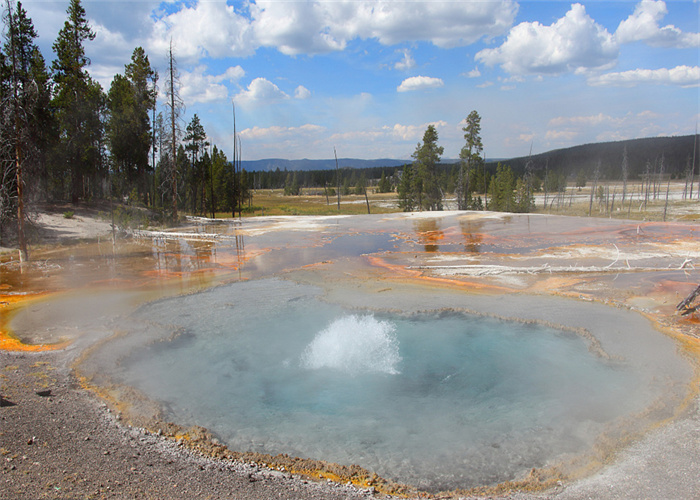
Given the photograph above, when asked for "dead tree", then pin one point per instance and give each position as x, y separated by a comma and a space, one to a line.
596, 175
174, 105
20, 119
625, 169
337, 176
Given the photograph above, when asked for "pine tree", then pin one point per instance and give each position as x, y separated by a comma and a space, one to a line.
384, 185
470, 159
195, 137
221, 173
407, 201
502, 190
78, 101
142, 79
121, 134
425, 181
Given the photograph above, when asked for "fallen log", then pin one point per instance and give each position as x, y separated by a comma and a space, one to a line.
167, 235
493, 270
685, 306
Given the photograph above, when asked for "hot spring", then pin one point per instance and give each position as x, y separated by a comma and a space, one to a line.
414, 386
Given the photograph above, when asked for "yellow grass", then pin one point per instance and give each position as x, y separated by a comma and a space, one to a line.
313, 202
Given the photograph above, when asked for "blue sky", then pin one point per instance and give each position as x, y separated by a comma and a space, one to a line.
367, 77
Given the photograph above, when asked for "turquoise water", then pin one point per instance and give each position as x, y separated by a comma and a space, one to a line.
438, 399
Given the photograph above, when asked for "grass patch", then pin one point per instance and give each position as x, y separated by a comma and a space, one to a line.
313, 202
274, 202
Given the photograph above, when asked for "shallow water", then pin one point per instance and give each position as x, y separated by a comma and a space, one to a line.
438, 400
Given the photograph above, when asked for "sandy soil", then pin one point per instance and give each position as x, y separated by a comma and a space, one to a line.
58, 440
56, 227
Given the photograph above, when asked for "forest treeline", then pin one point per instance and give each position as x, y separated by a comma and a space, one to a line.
665, 157
63, 138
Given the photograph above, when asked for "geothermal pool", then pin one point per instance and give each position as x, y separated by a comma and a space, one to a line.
376, 340
438, 398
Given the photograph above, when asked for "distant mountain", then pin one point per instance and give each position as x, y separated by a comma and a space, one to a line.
272, 164
676, 152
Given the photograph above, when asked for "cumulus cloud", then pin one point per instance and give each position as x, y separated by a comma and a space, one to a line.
573, 43
196, 86
643, 25
211, 29
682, 76
295, 27
444, 24
419, 83
407, 62
302, 92
314, 27
261, 90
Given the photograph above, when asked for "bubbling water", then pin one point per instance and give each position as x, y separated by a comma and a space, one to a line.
355, 344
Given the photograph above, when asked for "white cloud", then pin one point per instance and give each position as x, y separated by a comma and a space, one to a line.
445, 24
393, 133
643, 25
232, 74
411, 132
563, 130
111, 45
587, 121
277, 132
259, 90
561, 135
302, 92
573, 43
317, 27
211, 29
683, 76
406, 63
475, 73
419, 83
295, 27
198, 87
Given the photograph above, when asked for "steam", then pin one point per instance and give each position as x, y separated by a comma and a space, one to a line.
354, 344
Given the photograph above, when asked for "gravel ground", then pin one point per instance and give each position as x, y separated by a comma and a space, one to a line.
65, 444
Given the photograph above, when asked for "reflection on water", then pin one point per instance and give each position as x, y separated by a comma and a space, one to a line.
429, 234
471, 232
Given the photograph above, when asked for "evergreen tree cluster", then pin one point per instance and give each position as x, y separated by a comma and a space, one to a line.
63, 138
